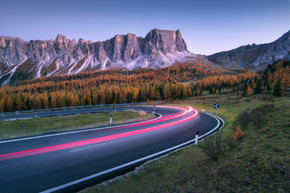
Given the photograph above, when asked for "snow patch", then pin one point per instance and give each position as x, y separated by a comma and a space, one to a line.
12, 72
104, 64
131, 64
85, 64
41, 65
57, 68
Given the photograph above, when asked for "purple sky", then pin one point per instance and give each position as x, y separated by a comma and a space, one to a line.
207, 26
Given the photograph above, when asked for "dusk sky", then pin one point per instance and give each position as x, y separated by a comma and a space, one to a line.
207, 26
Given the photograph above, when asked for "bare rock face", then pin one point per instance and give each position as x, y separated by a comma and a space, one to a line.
164, 41
254, 56
160, 48
132, 48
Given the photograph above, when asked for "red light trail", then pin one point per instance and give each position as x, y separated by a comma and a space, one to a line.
30, 152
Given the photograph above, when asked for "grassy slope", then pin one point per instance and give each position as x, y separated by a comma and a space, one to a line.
27, 127
259, 163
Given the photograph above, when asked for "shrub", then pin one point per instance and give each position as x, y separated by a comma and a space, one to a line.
231, 143
213, 147
258, 114
258, 118
239, 134
243, 119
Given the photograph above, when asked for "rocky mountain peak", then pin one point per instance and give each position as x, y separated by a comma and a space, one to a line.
62, 42
160, 48
60, 38
166, 41
2, 42
80, 41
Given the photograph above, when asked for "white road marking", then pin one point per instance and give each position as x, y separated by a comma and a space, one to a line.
133, 162
78, 131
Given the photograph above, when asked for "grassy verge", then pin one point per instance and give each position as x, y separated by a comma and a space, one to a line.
258, 163
28, 127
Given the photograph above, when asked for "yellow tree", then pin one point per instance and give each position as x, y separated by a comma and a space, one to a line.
94, 97
167, 91
102, 94
249, 90
135, 94
2, 105
37, 102
53, 101
45, 101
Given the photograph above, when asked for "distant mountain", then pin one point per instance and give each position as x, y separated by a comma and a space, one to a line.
20, 60
254, 56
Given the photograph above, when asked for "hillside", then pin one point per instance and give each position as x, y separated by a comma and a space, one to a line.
255, 57
103, 87
259, 162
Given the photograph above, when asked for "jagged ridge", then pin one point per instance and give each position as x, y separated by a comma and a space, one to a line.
160, 48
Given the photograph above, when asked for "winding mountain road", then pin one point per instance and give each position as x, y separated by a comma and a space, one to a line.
68, 161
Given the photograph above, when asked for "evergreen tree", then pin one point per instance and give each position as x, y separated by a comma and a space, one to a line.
268, 86
258, 88
277, 88
211, 90
244, 90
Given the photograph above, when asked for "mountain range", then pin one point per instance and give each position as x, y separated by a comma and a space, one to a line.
254, 56
21, 60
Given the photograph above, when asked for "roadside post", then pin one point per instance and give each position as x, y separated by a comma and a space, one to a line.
110, 119
196, 137
154, 108
216, 106
114, 110
203, 106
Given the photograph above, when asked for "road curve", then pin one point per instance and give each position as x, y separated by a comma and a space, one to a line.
64, 162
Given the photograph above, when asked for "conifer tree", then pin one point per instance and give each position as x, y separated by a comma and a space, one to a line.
258, 88
277, 88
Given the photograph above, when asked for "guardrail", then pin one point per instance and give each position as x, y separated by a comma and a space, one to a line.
66, 108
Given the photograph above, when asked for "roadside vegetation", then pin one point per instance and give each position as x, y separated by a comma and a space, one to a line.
120, 86
254, 159
45, 125
117, 86
250, 154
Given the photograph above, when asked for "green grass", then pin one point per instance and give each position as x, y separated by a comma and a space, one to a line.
258, 163
231, 105
36, 126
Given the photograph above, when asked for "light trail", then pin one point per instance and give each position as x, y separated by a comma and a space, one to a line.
106, 138
162, 119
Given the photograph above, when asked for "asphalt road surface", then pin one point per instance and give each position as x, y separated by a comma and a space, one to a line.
64, 162
28, 115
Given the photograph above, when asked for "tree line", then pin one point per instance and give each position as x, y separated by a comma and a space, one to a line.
18, 100
181, 72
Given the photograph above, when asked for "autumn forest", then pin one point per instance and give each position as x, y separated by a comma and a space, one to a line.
120, 86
